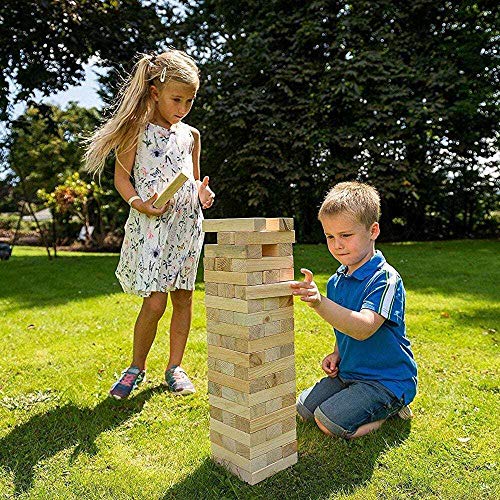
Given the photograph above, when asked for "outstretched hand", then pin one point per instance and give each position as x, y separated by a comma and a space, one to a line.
307, 289
205, 193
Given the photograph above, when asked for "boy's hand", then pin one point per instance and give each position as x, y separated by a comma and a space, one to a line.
330, 364
205, 193
307, 289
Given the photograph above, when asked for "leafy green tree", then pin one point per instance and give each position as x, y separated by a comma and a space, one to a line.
299, 95
44, 44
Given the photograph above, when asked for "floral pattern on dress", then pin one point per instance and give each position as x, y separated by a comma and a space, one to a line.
161, 254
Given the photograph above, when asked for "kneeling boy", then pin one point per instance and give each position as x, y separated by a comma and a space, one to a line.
371, 375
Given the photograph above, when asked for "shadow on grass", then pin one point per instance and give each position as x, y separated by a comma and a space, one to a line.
29, 281
46, 434
326, 466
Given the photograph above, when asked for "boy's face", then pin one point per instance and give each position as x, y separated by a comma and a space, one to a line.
173, 101
349, 240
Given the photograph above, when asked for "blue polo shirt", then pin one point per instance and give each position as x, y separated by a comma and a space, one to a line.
386, 356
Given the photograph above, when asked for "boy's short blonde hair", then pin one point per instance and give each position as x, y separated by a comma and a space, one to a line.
359, 200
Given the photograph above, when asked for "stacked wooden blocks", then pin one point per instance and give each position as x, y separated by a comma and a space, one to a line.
251, 360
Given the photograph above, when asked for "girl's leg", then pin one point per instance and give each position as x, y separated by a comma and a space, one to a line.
146, 324
182, 311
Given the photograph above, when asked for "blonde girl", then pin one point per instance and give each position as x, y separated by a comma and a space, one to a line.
161, 247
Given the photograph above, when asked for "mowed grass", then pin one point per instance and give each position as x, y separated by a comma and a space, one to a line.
66, 331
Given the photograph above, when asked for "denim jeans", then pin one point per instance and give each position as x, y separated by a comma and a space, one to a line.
344, 405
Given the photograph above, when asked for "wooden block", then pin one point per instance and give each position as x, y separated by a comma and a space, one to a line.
222, 366
266, 291
235, 357
226, 238
272, 303
250, 346
256, 372
230, 406
245, 399
211, 289
256, 385
238, 331
263, 264
264, 343
220, 315
226, 290
170, 189
228, 381
286, 301
277, 250
251, 452
279, 224
289, 449
209, 263
271, 276
260, 238
233, 278
285, 325
262, 317
243, 224
260, 423
286, 274
253, 478
273, 392
234, 251
271, 380
222, 264
233, 304
214, 389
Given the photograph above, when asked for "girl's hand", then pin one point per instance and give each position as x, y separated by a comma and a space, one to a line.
146, 207
330, 364
205, 194
307, 289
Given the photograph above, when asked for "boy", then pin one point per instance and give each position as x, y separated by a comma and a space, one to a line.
371, 374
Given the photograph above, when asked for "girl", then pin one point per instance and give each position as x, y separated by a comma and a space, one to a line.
161, 247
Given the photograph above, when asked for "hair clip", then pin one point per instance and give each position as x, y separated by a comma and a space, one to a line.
163, 74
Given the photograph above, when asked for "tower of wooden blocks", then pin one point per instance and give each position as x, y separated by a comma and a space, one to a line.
251, 360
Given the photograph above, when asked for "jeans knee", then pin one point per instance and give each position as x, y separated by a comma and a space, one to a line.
331, 425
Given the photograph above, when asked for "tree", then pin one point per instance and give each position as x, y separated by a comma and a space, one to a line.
300, 95
44, 44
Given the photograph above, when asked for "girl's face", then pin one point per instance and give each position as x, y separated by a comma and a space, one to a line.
173, 102
349, 240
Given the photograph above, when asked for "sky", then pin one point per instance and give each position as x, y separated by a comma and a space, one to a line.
85, 94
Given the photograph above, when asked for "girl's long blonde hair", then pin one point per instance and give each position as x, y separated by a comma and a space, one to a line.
134, 105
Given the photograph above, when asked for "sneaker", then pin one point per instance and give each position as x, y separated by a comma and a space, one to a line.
178, 382
405, 413
129, 380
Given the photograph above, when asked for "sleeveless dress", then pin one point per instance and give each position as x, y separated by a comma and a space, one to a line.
161, 254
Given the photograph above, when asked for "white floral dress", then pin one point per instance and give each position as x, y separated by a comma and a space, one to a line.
161, 254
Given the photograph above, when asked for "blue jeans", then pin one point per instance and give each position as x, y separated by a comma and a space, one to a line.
344, 405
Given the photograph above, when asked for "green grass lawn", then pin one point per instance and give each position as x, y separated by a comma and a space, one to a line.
66, 332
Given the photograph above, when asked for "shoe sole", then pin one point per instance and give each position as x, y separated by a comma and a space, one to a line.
184, 392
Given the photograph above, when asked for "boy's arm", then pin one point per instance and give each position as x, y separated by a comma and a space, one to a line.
358, 325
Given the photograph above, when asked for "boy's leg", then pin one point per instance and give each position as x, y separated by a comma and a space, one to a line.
357, 410
180, 324
311, 398
146, 325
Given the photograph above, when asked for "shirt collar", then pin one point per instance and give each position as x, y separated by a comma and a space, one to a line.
367, 269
